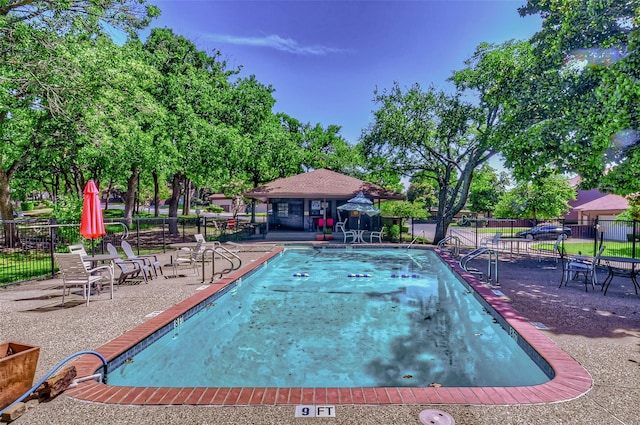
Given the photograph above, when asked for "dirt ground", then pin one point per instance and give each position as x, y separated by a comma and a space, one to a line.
532, 288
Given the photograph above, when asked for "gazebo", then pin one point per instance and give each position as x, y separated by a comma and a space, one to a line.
300, 202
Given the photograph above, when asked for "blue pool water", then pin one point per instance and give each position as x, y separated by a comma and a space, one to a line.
301, 321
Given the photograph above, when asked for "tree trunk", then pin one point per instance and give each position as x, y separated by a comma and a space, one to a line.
156, 194
8, 227
173, 204
130, 196
442, 225
187, 197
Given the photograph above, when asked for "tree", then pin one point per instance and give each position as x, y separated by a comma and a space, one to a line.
39, 72
325, 148
486, 188
580, 94
195, 92
545, 198
427, 132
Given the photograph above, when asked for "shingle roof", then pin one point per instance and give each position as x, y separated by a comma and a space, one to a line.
605, 203
322, 183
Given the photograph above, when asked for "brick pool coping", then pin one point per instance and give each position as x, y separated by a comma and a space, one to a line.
571, 380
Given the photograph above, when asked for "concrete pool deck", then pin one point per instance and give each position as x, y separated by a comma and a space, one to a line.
601, 333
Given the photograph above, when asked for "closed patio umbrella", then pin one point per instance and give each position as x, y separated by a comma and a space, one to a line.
91, 222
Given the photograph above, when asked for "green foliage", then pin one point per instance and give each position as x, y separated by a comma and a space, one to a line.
403, 209
545, 198
633, 212
486, 189
422, 190
573, 101
68, 211
393, 231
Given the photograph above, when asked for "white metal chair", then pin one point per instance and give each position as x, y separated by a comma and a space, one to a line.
75, 273
79, 249
375, 235
188, 257
573, 266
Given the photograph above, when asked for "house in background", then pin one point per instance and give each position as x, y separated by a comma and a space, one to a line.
220, 200
593, 204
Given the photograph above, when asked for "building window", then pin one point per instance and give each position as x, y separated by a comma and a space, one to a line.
283, 210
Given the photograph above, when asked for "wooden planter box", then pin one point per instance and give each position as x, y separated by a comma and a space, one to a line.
324, 236
17, 369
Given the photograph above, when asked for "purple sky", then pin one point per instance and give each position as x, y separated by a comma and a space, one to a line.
325, 58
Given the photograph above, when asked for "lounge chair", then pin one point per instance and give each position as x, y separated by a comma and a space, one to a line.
148, 262
75, 273
129, 269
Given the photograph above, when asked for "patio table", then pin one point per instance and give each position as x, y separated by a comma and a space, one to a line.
94, 259
619, 270
357, 238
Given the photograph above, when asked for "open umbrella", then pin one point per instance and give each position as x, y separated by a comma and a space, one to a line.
361, 204
91, 222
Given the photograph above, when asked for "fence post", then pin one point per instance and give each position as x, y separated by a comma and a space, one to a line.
595, 226
633, 242
52, 245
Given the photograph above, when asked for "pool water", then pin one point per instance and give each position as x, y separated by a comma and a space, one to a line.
302, 321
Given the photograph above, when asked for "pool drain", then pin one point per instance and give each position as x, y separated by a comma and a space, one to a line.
433, 416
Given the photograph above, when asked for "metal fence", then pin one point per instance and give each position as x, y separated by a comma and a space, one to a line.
621, 237
27, 246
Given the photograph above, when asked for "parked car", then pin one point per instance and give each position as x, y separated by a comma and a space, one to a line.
545, 231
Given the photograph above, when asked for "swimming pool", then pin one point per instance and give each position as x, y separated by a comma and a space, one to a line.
327, 318
569, 380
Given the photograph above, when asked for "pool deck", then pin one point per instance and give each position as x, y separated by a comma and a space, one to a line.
600, 333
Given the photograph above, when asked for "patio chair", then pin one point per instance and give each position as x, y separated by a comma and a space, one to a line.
148, 262
348, 234
129, 269
574, 266
491, 243
188, 257
75, 273
375, 235
79, 249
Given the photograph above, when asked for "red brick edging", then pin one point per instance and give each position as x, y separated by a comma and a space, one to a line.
571, 380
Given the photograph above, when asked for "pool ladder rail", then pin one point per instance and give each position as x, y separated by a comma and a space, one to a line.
450, 244
221, 253
492, 262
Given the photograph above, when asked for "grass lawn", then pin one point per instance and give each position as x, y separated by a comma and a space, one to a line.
613, 249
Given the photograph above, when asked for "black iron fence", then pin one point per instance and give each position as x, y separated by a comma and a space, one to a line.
27, 246
619, 236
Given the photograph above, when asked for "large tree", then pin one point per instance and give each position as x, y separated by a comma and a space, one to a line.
442, 137
428, 132
580, 94
40, 72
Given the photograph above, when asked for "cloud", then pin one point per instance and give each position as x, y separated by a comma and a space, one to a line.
275, 42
